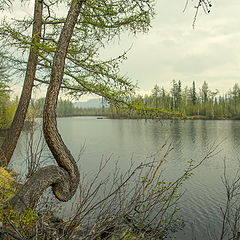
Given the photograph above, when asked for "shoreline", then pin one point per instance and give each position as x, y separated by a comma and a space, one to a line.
182, 118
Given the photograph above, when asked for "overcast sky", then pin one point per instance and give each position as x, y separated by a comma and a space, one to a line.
172, 49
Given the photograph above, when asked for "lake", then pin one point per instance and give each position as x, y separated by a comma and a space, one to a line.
126, 139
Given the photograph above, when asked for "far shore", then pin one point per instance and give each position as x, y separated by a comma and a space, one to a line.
3, 131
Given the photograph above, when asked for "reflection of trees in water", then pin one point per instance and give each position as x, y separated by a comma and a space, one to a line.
219, 130
137, 127
204, 132
158, 131
176, 136
192, 129
235, 136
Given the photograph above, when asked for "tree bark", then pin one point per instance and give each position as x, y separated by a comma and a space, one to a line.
55, 143
28, 195
9, 144
64, 179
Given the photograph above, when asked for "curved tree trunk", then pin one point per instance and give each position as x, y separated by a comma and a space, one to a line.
55, 143
8, 146
65, 178
28, 195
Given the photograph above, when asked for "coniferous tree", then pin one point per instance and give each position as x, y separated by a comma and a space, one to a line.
235, 97
193, 95
206, 103
156, 95
205, 92
64, 51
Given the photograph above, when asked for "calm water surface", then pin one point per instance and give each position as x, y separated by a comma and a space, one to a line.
124, 139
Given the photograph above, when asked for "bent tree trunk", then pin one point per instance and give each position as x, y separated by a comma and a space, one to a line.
9, 144
64, 179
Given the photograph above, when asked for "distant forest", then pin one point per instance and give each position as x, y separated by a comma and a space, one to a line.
65, 108
196, 103
191, 102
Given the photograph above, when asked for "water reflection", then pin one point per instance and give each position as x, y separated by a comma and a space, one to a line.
192, 128
203, 132
190, 139
235, 136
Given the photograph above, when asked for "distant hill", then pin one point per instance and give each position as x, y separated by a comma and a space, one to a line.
92, 103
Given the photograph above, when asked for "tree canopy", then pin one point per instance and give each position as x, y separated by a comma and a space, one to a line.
61, 49
98, 24
64, 51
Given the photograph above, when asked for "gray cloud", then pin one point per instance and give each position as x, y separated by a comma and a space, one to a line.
174, 50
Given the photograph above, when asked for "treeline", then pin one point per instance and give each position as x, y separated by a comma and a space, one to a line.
195, 102
191, 102
65, 108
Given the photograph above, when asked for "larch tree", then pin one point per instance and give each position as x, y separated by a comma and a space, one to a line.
83, 71
205, 92
193, 94
63, 52
8, 146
